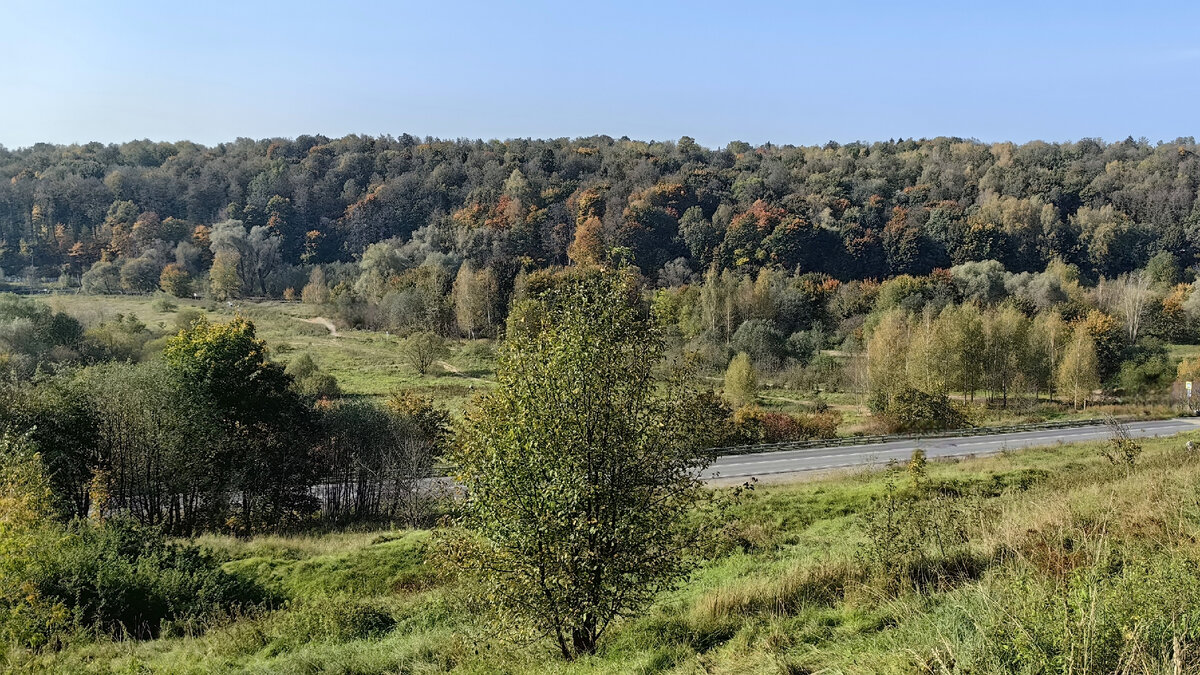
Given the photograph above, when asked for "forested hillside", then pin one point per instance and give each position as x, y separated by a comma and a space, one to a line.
856, 211
584, 301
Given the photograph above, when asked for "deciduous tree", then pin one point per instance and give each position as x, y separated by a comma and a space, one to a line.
1079, 371
579, 469
741, 380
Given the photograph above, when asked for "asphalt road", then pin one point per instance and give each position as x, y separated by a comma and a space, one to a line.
759, 465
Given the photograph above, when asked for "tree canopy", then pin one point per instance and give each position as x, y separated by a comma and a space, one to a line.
578, 470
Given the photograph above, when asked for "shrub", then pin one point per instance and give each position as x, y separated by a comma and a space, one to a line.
309, 380
186, 317
918, 537
421, 418
117, 578
914, 410
121, 339
422, 350
127, 581
1121, 449
25, 509
781, 427
164, 303
762, 341
741, 381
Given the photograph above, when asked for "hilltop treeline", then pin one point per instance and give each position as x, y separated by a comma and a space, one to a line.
263, 212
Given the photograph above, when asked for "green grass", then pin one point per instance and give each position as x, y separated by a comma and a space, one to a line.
1074, 565
366, 363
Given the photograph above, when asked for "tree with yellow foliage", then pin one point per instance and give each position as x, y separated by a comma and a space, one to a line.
1078, 373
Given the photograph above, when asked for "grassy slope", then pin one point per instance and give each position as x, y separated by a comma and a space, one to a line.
1073, 564
364, 362
368, 362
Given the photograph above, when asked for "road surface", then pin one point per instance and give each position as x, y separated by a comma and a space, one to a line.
759, 465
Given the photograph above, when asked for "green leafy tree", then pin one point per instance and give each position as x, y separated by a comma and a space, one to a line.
176, 281
103, 277
475, 300
762, 341
140, 275
579, 470
266, 425
1079, 370
741, 380
315, 292
224, 280
887, 357
422, 350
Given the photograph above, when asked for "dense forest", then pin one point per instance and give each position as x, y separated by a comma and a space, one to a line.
911, 286
946, 266
268, 210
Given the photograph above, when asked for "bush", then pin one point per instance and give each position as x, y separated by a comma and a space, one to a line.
121, 339
423, 350
751, 425
186, 317
26, 618
1121, 448
914, 410
309, 380
118, 579
762, 341
127, 581
164, 303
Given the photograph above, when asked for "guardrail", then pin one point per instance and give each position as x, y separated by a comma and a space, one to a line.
445, 471
842, 441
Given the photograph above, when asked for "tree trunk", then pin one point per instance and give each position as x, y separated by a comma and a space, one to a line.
583, 639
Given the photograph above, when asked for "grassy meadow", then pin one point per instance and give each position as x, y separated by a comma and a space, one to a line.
365, 363
1044, 560
369, 363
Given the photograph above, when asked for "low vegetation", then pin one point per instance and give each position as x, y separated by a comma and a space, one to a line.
577, 526
1044, 560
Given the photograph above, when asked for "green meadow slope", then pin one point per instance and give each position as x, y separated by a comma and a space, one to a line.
1045, 560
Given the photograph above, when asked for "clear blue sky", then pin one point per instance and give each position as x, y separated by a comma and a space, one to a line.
786, 72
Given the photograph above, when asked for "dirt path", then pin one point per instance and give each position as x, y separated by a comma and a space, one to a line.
322, 321
452, 369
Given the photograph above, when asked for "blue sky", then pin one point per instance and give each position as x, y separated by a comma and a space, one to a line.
785, 72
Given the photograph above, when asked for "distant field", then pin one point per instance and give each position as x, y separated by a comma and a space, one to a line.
368, 363
365, 363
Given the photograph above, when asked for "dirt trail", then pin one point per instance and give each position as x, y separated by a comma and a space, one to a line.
451, 368
322, 321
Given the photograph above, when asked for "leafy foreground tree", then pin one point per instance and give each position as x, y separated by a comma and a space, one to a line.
263, 429
579, 469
